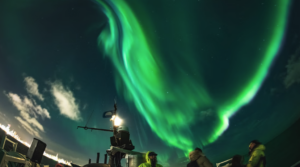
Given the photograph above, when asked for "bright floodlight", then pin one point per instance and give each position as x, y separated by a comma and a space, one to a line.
113, 117
118, 121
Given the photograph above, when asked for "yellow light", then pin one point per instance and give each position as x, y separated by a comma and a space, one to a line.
118, 121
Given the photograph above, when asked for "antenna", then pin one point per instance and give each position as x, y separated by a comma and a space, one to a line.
119, 139
108, 130
89, 118
113, 121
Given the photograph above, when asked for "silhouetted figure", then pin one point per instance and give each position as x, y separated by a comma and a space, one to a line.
237, 161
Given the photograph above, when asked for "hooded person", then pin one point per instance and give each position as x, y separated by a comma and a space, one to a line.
151, 160
257, 154
197, 158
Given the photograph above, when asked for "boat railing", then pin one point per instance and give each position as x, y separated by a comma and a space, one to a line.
218, 164
4, 139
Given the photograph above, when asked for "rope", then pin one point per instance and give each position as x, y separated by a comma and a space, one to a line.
89, 118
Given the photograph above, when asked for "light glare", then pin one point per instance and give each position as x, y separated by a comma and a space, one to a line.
118, 121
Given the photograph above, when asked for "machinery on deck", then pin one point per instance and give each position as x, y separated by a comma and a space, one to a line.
13, 158
121, 145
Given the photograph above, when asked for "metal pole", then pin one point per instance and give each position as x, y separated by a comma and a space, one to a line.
115, 113
115, 127
98, 156
105, 158
89, 161
3, 141
111, 160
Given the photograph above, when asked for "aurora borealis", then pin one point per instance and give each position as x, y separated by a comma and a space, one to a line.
185, 74
126, 44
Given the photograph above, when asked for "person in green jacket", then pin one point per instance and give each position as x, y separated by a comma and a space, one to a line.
257, 155
151, 160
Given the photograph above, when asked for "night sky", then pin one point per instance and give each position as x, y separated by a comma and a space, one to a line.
185, 73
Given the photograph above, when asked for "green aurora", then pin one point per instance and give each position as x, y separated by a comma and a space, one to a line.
161, 99
186, 74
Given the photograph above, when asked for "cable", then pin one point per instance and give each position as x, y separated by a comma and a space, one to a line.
89, 118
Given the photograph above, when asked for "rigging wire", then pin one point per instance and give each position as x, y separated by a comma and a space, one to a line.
89, 118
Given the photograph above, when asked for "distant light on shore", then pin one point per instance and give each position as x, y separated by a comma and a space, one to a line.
14, 135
